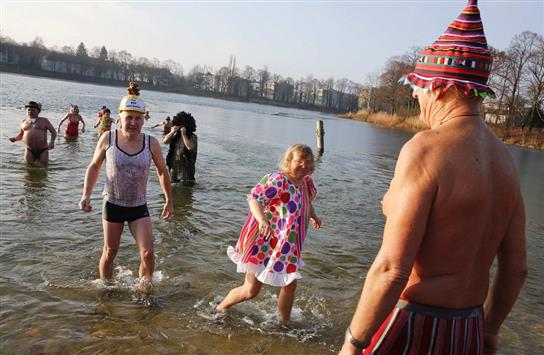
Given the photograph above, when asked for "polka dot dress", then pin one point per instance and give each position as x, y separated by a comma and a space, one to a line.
275, 261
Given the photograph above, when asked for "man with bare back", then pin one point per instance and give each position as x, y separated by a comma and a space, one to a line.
33, 132
453, 207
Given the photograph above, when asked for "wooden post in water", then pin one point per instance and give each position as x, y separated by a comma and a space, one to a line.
319, 132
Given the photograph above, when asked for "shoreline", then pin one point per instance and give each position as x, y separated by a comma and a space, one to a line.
175, 90
513, 136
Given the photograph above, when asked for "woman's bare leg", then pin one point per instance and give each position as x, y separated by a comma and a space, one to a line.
250, 289
285, 301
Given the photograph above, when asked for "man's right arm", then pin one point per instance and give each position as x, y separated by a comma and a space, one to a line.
19, 136
91, 175
171, 135
407, 206
509, 277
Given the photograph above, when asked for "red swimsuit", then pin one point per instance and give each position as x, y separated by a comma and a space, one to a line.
72, 129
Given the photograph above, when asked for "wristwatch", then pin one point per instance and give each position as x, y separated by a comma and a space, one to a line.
355, 342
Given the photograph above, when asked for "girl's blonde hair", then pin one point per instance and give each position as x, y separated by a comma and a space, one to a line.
303, 149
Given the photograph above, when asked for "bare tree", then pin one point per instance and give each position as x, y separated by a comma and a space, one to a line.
393, 95
7, 40
174, 67
37, 42
519, 52
249, 73
535, 85
95, 52
263, 75
412, 55
341, 86
68, 50
223, 77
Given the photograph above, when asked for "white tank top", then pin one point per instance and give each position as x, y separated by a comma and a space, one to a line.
126, 174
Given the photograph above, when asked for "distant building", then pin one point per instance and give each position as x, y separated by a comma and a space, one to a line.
493, 114
66, 64
209, 82
284, 91
327, 98
269, 88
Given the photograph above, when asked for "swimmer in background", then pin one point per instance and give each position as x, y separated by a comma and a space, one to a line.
33, 132
73, 117
167, 126
104, 121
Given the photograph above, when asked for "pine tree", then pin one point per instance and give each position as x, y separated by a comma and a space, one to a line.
81, 51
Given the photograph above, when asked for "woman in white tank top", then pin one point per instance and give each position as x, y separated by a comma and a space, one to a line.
128, 154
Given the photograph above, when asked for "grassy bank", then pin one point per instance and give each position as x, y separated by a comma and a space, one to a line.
515, 136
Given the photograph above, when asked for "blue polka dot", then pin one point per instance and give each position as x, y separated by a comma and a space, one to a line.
292, 206
285, 248
271, 192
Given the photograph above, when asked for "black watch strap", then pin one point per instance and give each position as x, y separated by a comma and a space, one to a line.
355, 342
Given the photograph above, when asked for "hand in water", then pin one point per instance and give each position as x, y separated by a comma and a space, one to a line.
168, 210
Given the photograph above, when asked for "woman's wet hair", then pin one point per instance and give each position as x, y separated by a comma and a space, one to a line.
303, 149
186, 120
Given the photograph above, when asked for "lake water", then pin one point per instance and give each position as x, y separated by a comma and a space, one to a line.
51, 300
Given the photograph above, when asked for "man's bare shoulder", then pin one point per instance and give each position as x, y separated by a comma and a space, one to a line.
419, 146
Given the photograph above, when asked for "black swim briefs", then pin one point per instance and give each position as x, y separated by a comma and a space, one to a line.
120, 214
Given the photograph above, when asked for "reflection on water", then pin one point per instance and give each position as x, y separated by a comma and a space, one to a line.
53, 301
34, 197
183, 195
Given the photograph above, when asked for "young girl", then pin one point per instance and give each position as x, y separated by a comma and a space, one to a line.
269, 248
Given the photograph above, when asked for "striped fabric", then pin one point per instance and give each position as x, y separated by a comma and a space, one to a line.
414, 329
459, 58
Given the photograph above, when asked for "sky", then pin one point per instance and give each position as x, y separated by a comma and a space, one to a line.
340, 39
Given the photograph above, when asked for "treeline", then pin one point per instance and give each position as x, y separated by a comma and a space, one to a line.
517, 78
247, 83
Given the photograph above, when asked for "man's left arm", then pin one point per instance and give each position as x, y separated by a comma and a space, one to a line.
53, 132
188, 143
164, 178
407, 205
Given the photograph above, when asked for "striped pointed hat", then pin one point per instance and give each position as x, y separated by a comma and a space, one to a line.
459, 58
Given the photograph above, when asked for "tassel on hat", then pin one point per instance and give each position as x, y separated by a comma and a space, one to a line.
132, 102
459, 58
